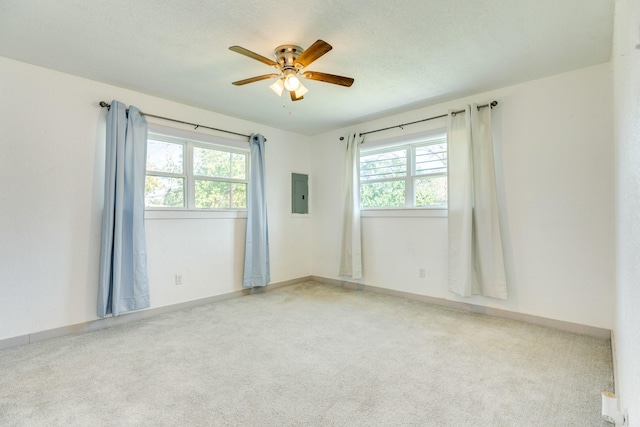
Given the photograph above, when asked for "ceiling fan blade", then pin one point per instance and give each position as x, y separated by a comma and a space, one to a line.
253, 55
294, 97
328, 78
255, 79
314, 52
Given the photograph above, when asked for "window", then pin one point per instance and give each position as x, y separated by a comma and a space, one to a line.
187, 174
413, 175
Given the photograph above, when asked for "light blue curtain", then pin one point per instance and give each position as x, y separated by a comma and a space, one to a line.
256, 253
124, 285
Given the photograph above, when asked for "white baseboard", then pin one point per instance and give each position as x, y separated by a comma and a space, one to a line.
614, 357
496, 312
94, 325
108, 322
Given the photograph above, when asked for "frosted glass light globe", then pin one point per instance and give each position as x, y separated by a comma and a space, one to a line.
291, 82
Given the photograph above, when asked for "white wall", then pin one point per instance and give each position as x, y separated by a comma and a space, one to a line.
626, 65
553, 137
555, 165
51, 170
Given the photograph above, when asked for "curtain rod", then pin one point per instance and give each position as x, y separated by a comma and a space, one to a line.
107, 106
491, 105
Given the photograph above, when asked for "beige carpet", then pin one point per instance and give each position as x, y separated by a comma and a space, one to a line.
309, 355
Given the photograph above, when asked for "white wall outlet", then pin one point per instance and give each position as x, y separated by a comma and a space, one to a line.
422, 273
178, 279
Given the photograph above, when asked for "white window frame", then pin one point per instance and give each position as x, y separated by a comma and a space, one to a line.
410, 143
189, 140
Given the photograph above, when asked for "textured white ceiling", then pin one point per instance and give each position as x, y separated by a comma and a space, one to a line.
402, 54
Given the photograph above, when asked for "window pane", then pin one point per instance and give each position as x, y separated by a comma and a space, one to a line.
239, 195
219, 164
392, 164
163, 191
238, 166
213, 194
431, 159
431, 191
382, 194
164, 157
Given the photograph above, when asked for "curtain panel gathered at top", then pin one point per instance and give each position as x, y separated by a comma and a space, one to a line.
476, 263
256, 256
123, 283
351, 249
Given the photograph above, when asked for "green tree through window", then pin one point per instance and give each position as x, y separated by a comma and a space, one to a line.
405, 176
194, 175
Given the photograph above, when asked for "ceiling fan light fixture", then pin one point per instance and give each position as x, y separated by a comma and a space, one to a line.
300, 91
291, 82
277, 87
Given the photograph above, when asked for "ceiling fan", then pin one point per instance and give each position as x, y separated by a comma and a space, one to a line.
290, 62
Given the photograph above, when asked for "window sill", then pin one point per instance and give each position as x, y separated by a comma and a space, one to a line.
191, 214
405, 213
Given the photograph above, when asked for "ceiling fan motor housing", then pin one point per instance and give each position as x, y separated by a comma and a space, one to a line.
286, 56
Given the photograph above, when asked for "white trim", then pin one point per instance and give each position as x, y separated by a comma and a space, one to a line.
413, 138
192, 135
472, 308
14, 342
108, 322
167, 213
614, 359
404, 213
190, 140
409, 144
